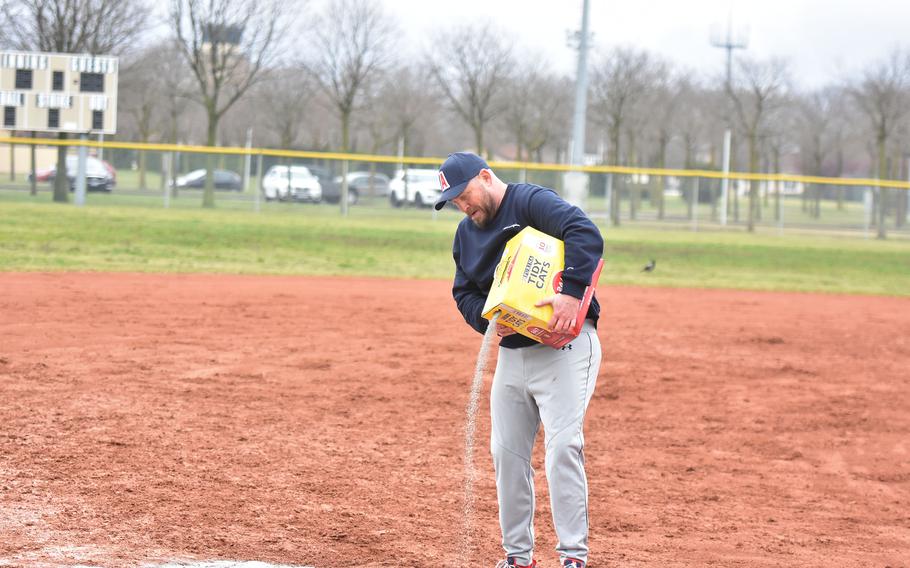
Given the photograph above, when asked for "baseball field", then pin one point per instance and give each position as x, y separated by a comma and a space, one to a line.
289, 387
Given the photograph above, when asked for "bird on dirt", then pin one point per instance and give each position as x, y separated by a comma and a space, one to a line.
650, 266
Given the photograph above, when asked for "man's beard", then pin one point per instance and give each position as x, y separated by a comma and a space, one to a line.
488, 209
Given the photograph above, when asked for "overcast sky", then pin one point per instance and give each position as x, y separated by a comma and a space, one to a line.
824, 40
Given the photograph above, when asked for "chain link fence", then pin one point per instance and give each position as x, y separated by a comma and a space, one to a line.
171, 176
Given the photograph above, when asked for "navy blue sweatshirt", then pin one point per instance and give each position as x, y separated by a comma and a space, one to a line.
477, 251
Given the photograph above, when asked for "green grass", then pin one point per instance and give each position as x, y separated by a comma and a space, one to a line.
851, 213
760, 262
111, 235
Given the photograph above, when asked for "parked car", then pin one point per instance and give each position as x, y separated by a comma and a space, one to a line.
363, 183
224, 179
418, 187
99, 175
304, 186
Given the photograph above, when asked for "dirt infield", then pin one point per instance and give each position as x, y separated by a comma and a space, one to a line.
318, 421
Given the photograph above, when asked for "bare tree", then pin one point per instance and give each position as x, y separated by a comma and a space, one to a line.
757, 90
353, 43
634, 132
284, 98
176, 87
900, 162
405, 101
517, 117
470, 64
538, 101
819, 115
144, 94
550, 115
72, 26
620, 80
842, 136
882, 96
227, 44
664, 97
694, 129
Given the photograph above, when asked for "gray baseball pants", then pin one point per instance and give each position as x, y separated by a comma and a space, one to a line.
533, 386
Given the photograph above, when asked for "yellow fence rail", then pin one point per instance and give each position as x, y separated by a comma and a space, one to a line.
430, 161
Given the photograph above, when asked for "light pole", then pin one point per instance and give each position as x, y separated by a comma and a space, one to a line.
727, 42
576, 182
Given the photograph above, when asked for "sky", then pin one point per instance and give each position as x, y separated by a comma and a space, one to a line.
825, 41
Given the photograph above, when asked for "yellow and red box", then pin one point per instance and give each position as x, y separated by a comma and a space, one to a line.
529, 271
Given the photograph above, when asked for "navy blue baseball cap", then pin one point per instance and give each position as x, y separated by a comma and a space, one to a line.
455, 174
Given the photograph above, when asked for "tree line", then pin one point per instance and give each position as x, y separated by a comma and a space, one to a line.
341, 75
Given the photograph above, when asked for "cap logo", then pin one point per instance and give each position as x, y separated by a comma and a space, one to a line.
443, 182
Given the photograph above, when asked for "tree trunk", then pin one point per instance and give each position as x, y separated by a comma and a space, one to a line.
777, 185
735, 201
345, 145
208, 193
900, 206
777, 203
762, 167
173, 162
766, 188
635, 190
713, 184
753, 184
692, 183
61, 179
816, 189
838, 173
882, 192
817, 204
519, 141
901, 210
614, 193
172, 173
143, 157
661, 163
732, 187
145, 132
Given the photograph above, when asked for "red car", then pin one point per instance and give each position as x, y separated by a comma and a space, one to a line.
99, 174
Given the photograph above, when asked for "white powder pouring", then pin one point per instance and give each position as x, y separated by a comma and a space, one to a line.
470, 427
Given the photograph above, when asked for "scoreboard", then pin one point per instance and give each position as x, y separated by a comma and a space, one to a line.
58, 92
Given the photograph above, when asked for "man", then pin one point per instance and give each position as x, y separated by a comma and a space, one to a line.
533, 384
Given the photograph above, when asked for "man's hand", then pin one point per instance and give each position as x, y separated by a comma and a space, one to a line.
504, 330
565, 308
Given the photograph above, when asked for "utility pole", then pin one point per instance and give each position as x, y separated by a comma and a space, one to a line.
727, 42
576, 183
